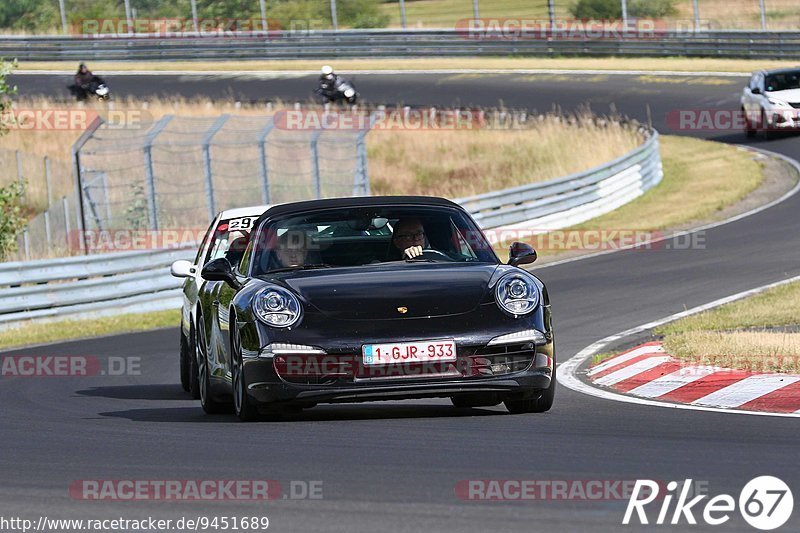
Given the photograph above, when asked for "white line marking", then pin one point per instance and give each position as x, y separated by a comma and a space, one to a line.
748, 389
567, 371
632, 370
614, 361
670, 382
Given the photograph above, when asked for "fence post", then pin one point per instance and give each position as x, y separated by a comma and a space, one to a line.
403, 13
624, 14
696, 10
361, 182
47, 233
76, 161
334, 19
65, 205
26, 243
152, 207
262, 152
763, 9
476, 14
207, 138
48, 181
315, 163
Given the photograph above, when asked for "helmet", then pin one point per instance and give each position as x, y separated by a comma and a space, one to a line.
327, 71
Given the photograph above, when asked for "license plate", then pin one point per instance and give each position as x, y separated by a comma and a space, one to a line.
409, 352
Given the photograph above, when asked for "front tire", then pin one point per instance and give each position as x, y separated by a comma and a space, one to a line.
766, 128
535, 405
242, 404
203, 377
185, 363
749, 130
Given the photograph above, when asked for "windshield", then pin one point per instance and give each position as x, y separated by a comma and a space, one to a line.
230, 239
367, 236
783, 81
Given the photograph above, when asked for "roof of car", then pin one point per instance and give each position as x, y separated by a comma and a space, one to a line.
252, 211
358, 201
781, 70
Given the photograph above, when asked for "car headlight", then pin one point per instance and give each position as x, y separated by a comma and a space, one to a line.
277, 307
517, 294
349, 93
778, 103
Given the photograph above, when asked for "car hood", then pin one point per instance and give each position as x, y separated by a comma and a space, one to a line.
789, 95
392, 290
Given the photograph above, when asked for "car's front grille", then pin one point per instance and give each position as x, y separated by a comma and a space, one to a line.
502, 359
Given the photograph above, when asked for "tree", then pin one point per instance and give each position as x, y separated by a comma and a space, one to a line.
11, 196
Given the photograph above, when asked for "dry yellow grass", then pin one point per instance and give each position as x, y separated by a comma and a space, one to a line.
433, 162
463, 163
761, 351
701, 178
742, 14
735, 334
646, 64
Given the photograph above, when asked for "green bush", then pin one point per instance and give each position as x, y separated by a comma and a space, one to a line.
612, 9
12, 216
652, 8
596, 9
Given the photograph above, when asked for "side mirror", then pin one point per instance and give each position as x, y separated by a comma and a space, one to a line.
521, 254
182, 269
220, 270
755, 90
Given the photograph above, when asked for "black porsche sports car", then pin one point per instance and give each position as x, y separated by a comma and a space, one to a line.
328, 304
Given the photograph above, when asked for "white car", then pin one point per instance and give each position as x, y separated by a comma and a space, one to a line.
227, 237
771, 101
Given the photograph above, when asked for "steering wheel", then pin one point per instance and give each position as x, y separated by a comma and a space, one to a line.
430, 253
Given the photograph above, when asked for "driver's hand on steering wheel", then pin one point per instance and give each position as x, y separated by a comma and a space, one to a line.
412, 251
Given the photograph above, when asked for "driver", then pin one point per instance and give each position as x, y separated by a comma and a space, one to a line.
291, 250
409, 237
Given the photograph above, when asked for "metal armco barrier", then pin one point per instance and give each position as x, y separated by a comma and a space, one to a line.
140, 281
572, 199
327, 44
78, 286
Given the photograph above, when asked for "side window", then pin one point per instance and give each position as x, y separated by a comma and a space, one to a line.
243, 266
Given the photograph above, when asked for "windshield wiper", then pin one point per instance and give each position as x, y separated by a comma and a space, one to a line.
300, 267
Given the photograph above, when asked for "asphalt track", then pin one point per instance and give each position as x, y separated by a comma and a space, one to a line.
393, 466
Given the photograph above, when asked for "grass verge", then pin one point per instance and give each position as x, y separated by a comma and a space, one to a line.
760, 333
456, 63
65, 330
693, 169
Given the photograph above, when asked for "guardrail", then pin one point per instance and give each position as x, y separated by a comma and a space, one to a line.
78, 286
571, 199
140, 281
400, 43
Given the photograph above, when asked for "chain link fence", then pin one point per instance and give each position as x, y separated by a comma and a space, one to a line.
178, 172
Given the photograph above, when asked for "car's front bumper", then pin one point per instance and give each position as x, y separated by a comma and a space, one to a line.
514, 371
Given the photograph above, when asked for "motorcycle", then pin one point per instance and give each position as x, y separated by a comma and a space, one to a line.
337, 90
96, 87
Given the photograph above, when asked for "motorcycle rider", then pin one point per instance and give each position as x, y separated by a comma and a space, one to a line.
83, 81
327, 80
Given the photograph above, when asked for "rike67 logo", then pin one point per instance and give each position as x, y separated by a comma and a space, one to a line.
765, 502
